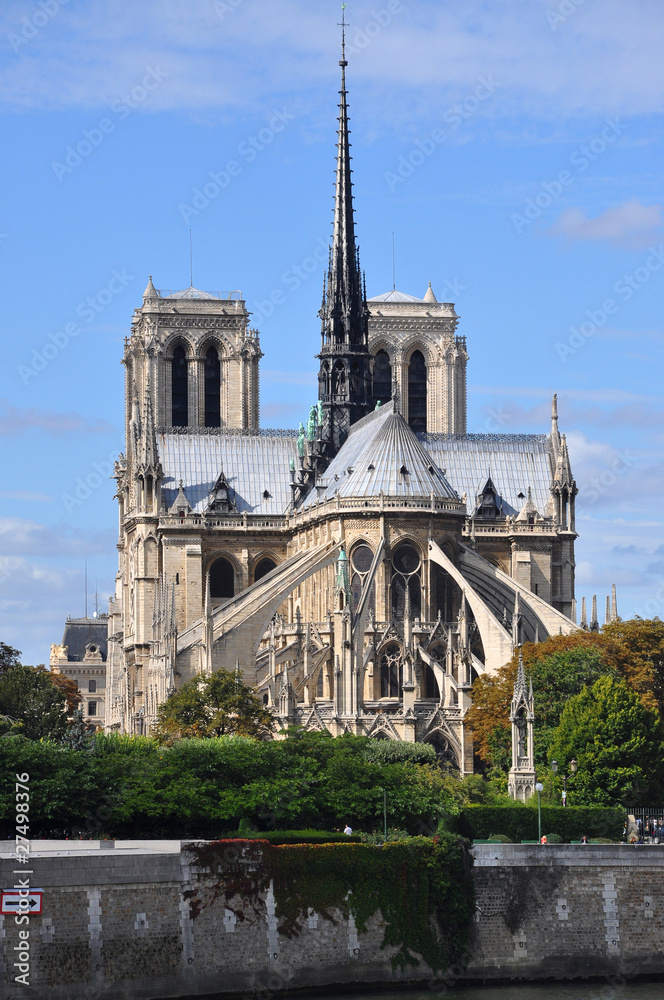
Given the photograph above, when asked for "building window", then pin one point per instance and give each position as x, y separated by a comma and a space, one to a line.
361, 559
391, 671
382, 378
406, 566
428, 683
92, 686
212, 389
92, 708
180, 388
222, 580
444, 594
263, 567
417, 392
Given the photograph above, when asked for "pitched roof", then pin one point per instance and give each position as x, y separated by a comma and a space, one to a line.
394, 296
82, 632
514, 462
253, 464
382, 455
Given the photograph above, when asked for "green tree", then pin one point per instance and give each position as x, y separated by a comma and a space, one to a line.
642, 664
559, 669
28, 696
218, 705
9, 657
617, 743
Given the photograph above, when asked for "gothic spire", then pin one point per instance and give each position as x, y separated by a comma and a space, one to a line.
148, 458
344, 312
344, 379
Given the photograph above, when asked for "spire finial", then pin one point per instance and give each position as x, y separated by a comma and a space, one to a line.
343, 24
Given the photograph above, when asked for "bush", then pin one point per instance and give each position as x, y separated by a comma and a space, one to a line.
499, 838
554, 838
519, 822
283, 837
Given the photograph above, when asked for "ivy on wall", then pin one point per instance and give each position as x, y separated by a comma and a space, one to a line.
422, 888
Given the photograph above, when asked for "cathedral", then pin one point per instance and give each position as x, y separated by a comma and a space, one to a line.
361, 571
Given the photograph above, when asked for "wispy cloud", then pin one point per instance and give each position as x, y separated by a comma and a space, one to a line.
21, 537
16, 420
628, 225
90, 54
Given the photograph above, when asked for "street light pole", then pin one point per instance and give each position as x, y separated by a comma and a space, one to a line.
539, 788
385, 813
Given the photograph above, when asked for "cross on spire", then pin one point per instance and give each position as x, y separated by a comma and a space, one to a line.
343, 24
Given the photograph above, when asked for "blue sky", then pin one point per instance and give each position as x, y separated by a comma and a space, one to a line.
514, 147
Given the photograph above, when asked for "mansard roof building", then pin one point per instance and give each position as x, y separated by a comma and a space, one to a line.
362, 571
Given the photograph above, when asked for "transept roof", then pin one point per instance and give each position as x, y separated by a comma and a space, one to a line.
382, 455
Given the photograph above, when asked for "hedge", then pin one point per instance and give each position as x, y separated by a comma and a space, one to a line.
280, 838
519, 822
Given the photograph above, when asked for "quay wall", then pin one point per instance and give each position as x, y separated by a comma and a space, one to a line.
116, 922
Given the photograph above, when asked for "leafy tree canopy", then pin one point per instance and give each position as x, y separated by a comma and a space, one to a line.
28, 696
641, 661
617, 743
559, 668
218, 705
9, 657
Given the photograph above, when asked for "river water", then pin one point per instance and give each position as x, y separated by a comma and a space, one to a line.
594, 991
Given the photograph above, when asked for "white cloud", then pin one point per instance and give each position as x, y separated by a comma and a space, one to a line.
20, 537
604, 60
15, 420
630, 224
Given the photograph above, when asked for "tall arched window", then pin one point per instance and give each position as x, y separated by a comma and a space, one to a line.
263, 567
222, 580
339, 379
382, 378
180, 388
444, 594
406, 564
212, 389
361, 560
417, 392
391, 671
428, 683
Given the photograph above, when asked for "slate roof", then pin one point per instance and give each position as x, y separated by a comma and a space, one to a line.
514, 462
382, 454
394, 296
81, 632
252, 463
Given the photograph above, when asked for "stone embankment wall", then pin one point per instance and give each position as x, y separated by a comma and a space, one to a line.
116, 922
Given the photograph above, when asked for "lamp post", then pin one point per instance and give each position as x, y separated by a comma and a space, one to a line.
539, 788
573, 766
384, 814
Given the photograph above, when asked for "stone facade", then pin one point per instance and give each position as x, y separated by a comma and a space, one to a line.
361, 571
81, 656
